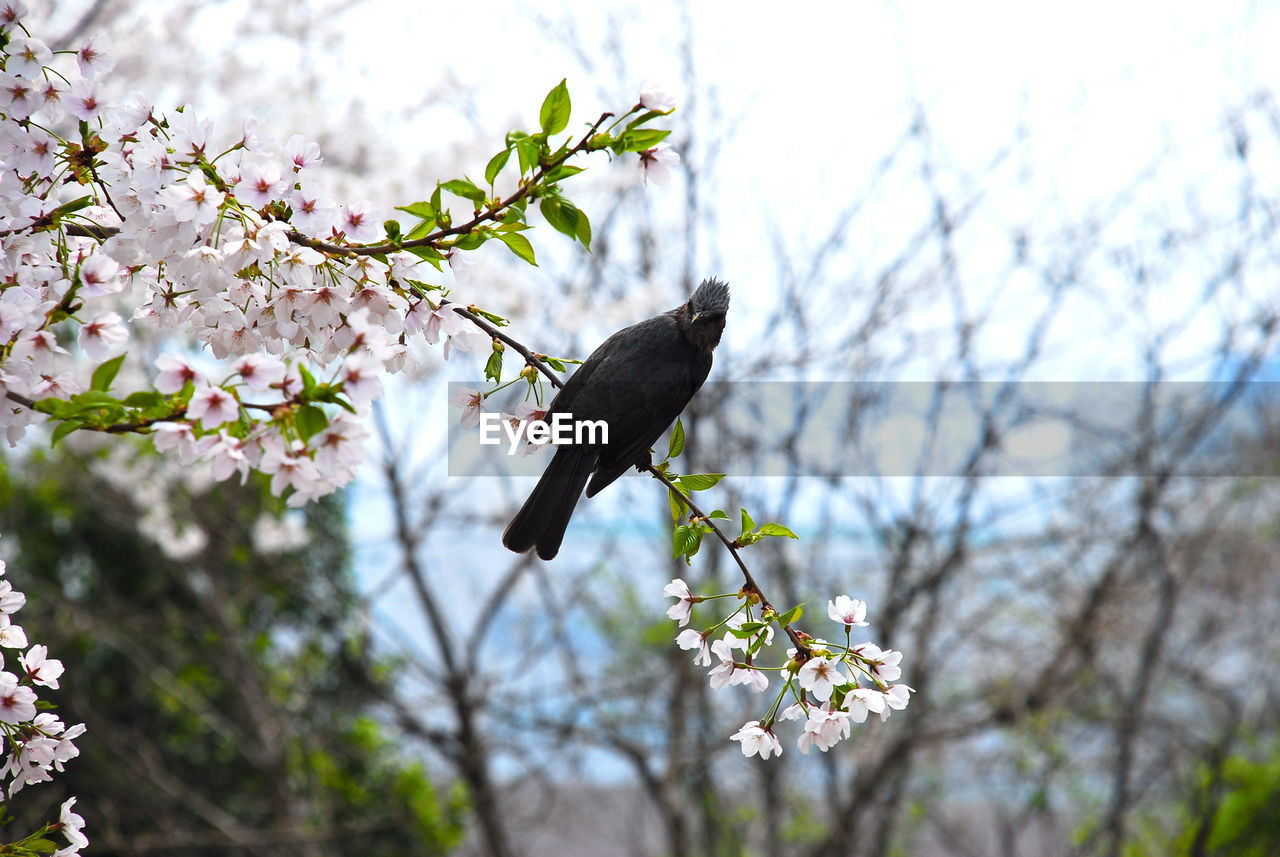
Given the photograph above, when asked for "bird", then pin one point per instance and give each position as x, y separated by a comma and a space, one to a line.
638, 381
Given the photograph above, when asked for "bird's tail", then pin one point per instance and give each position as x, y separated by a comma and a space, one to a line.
542, 519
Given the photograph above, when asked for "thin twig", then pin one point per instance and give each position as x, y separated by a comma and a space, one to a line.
802, 648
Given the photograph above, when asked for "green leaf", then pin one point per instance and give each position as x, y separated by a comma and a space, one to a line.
645, 117
473, 240
747, 524
563, 171
527, 148
641, 139
427, 254
554, 116
777, 530
308, 381
310, 421
64, 428
41, 846
519, 245
495, 165
466, 189
791, 615
554, 363
685, 540
106, 373
421, 230
493, 368
746, 629
561, 219
700, 481
677, 506
92, 400
392, 228
677, 441
566, 218
424, 210
718, 515
143, 399
500, 321
57, 408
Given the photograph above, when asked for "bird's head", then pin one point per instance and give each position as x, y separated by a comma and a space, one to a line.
705, 312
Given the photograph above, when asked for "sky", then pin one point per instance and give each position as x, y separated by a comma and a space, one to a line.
811, 103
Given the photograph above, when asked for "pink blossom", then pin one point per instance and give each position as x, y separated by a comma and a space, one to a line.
472, 404
174, 374
103, 335
656, 163
757, 739
847, 611
359, 222
655, 96
212, 406
83, 100
819, 676
683, 608
17, 703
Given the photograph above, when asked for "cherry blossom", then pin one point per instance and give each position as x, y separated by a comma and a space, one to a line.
655, 96
472, 404
212, 406
823, 728
656, 163
682, 609
847, 611
102, 336
41, 669
757, 739
819, 676
17, 702
693, 639
71, 825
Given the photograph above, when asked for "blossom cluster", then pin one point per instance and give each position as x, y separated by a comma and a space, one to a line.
36, 743
116, 218
831, 686
138, 210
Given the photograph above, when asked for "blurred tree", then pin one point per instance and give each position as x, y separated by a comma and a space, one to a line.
227, 692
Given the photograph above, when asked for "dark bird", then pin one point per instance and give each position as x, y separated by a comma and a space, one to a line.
638, 381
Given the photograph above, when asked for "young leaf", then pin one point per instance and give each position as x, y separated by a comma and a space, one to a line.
554, 116
677, 506
791, 615
677, 441
495, 165
747, 524
106, 373
310, 421
685, 541
423, 209
493, 368
777, 530
466, 189
563, 171
143, 399
641, 139
700, 481
518, 245
64, 428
